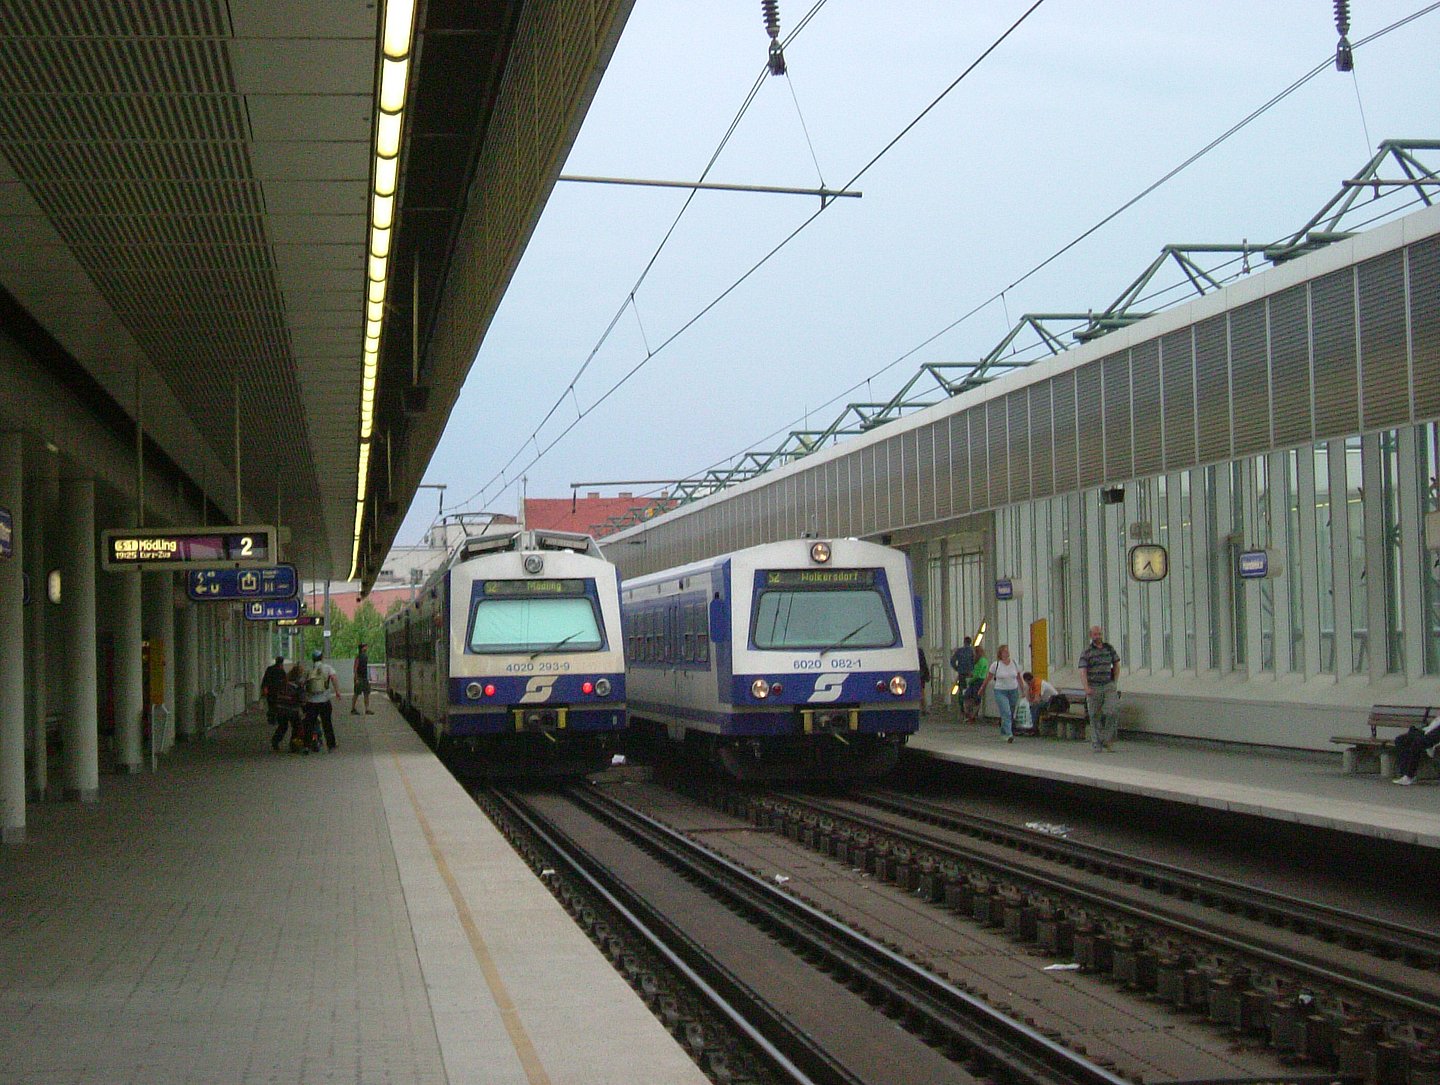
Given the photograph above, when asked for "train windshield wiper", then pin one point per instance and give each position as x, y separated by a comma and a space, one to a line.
858, 629
557, 644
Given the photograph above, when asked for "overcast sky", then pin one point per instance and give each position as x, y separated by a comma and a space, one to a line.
1079, 110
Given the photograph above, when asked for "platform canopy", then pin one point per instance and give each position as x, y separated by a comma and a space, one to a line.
193, 224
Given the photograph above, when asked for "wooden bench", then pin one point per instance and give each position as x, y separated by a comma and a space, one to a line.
1366, 753
1068, 724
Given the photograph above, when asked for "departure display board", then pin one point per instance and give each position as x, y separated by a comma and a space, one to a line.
187, 547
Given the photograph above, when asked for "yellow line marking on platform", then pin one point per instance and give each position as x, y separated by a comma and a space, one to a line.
519, 1038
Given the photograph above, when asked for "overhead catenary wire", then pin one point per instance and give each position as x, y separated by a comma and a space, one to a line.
655, 255
1100, 224
1223, 269
695, 318
1421, 12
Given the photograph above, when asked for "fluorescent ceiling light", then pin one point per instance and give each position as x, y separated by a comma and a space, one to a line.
387, 135
387, 168
392, 84
383, 211
399, 19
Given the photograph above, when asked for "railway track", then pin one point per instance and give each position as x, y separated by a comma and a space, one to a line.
825, 1011
1409, 945
1323, 987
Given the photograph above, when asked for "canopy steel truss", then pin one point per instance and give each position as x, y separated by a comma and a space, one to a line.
935, 382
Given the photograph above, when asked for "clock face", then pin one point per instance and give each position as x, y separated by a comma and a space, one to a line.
1149, 561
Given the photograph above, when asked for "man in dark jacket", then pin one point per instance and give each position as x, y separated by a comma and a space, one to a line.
272, 685
362, 682
962, 661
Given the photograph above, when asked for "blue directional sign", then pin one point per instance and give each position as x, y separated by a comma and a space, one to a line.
1004, 588
272, 610
7, 535
269, 582
1254, 564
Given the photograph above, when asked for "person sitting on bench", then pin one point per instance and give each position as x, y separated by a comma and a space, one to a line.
1042, 697
1410, 747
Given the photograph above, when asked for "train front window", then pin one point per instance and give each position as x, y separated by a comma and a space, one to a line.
535, 624
841, 608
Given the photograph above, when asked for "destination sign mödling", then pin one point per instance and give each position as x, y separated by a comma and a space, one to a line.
274, 582
187, 547
534, 587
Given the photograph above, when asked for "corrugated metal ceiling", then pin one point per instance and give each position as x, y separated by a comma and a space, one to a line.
184, 191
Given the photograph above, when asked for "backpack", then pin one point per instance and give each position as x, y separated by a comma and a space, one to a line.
316, 680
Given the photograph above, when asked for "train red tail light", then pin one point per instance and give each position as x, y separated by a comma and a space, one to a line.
489, 689
587, 688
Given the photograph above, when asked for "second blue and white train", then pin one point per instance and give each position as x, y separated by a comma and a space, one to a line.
789, 660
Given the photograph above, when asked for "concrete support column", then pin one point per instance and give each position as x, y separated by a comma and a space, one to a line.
158, 623
12, 647
39, 508
187, 671
77, 602
124, 596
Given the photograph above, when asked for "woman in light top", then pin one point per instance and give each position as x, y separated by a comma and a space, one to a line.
1004, 676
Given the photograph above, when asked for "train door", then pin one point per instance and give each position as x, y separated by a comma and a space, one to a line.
673, 654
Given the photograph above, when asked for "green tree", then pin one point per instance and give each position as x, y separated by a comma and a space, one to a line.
367, 626
346, 633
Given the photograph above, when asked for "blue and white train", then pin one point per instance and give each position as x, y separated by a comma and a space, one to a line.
510, 661
790, 660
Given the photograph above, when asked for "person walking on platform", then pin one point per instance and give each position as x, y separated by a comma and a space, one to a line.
975, 688
962, 662
362, 682
292, 710
1410, 747
272, 684
320, 684
1100, 664
1004, 676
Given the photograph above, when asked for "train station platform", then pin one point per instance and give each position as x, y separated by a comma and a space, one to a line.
245, 916
1308, 789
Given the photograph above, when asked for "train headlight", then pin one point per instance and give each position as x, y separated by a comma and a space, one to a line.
473, 691
759, 689
602, 687
820, 552
534, 563
898, 685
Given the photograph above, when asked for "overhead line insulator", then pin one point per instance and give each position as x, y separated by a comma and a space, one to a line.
771, 10
1344, 59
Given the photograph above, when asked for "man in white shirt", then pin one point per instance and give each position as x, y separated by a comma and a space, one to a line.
321, 686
